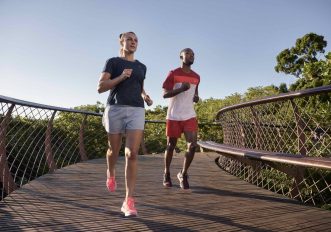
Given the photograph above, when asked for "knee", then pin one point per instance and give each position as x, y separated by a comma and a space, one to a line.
130, 154
109, 151
171, 147
191, 146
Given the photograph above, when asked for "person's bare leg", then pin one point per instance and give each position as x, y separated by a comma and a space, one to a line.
171, 144
114, 146
132, 144
191, 139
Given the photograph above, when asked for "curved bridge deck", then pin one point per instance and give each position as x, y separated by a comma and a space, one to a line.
75, 199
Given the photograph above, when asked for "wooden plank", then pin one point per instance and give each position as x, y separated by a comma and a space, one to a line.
75, 199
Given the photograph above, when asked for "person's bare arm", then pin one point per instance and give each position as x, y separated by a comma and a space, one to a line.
146, 97
171, 93
105, 83
196, 97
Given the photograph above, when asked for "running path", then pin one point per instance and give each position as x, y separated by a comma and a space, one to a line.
75, 199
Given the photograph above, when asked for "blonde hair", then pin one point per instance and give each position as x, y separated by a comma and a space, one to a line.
121, 39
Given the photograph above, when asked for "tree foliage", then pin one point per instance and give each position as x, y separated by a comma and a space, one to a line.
315, 74
155, 138
254, 93
95, 137
292, 60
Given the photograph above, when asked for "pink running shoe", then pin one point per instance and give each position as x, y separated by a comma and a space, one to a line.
111, 184
128, 208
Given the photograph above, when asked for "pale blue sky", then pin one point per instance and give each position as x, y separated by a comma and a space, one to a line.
52, 51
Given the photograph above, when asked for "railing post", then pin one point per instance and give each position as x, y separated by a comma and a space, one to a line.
81, 145
5, 175
300, 129
299, 175
257, 126
48, 145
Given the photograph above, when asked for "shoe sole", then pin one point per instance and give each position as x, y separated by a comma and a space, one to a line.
126, 214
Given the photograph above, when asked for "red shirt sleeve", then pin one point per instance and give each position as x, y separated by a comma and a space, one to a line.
169, 83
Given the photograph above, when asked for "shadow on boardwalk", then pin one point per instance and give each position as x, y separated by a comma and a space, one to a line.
75, 199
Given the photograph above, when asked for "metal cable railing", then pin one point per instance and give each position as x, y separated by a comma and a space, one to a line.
297, 124
36, 139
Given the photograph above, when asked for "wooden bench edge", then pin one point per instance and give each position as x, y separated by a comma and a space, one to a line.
285, 158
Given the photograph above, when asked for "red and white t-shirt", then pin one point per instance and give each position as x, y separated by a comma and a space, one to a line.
181, 106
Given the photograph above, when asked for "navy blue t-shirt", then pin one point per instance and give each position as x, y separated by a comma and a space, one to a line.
127, 92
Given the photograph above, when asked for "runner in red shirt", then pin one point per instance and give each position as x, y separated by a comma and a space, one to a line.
181, 87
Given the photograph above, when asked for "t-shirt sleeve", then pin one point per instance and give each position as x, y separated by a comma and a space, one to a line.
145, 71
169, 83
109, 66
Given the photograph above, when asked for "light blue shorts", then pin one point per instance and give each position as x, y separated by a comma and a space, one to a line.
118, 119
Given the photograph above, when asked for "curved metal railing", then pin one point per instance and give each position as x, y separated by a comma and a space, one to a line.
36, 139
295, 124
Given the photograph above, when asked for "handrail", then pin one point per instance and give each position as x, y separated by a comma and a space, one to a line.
49, 107
282, 96
42, 106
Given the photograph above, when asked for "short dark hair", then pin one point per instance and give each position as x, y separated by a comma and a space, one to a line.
184, 50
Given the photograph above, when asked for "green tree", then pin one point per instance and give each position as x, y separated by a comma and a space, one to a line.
155, 137
292, 60
97, 108
283, 88
95, 137
315, 74
254, 93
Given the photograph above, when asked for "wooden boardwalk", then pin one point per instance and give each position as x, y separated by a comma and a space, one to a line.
75, 199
